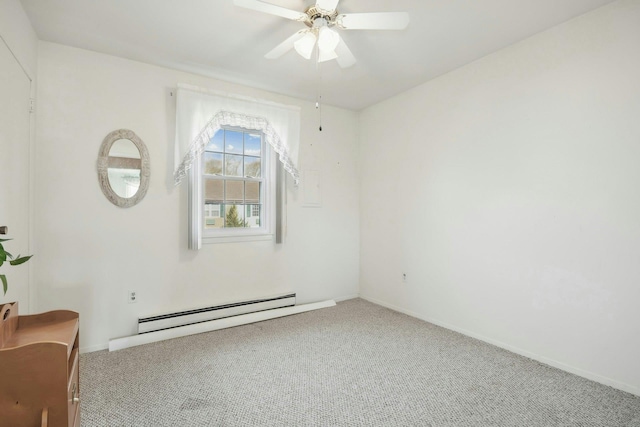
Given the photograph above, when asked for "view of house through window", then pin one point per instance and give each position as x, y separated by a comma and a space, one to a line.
233, 180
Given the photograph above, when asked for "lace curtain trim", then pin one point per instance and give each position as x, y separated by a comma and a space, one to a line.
227, 118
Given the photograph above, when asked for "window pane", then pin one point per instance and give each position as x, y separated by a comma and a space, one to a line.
213, 216
232, 182
252, 194
217, 142
252, 217
213, 191
233, 165
234, 191
212, 163
252, 166
252, 144
234, 216
233, 142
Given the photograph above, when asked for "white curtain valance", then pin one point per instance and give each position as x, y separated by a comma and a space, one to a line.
199, 114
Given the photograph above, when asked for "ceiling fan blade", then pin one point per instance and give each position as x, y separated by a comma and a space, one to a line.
271, 9
373, 21
327, 5
345, 58
285, 46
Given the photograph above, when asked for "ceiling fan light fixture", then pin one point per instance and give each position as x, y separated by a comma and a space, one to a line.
328, 39
305, 45
326, 55
321, 20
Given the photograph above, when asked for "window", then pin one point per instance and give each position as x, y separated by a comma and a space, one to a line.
236, 184
200, 115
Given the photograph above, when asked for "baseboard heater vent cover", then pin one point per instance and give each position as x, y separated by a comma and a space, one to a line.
190, 317
214, 325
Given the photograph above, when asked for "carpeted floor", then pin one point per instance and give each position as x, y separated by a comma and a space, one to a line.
356, 364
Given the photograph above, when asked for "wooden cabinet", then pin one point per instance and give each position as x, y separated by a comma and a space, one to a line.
39, 368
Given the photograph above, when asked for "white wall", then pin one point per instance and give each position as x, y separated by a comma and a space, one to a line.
91, 252
510, 198
18, 65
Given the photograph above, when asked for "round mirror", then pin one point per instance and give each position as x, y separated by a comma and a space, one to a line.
123, 168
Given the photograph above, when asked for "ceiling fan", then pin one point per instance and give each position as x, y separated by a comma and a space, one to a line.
321, 20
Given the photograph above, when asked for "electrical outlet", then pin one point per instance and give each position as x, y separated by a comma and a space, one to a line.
132, 297
404, 277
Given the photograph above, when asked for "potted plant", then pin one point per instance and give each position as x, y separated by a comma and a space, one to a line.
4, 256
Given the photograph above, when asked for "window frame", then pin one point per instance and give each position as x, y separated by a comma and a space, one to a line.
266, 230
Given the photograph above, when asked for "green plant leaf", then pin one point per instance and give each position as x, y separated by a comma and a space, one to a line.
5, 286
4, 240
19, 260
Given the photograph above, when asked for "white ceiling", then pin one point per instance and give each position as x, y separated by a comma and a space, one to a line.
217, 39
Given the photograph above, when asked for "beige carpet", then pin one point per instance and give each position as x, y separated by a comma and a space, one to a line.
356, 364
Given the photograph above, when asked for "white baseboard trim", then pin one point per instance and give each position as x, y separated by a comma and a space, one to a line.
547, 361
346, 297
213, 325
93, 348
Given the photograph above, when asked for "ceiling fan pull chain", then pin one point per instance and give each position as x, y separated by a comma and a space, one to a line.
319, 89
319, 108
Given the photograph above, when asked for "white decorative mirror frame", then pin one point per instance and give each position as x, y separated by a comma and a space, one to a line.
103, 168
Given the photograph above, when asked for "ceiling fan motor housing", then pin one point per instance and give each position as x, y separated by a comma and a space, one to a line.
314, 13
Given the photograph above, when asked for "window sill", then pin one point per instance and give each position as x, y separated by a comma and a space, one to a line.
236, 239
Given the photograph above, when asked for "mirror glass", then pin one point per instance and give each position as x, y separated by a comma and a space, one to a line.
124, 166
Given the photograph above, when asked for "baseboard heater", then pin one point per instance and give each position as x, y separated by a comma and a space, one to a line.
214, 325
199, 315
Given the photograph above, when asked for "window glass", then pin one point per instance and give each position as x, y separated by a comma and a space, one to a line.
252, 192
252, 145
234, 216
233, 180
234, 191
216, 143
213, 216
233, 142
213, 191
212, 163
252, 167
232, 165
